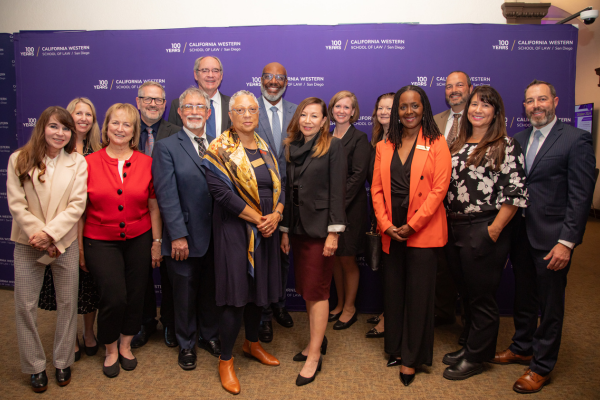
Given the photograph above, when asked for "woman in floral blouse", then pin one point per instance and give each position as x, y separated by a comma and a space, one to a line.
486, 189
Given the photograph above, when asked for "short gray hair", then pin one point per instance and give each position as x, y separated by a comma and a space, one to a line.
194, 91
241, 93
197, 62
150, 83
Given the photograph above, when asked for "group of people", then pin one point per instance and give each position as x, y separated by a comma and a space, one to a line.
219, 195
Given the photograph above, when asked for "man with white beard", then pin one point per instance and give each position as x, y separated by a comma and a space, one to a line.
186, 207
275, 116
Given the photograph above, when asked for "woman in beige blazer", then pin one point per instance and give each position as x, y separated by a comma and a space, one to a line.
47, 192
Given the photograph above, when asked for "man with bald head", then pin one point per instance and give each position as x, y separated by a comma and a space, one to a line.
275, 116
208, 73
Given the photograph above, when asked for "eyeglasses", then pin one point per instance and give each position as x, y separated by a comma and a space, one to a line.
206, 70
242, 111
279, 77
194, 107
148, 100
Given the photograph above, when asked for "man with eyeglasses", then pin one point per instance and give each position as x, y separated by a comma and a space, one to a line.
458, 89
208, 73
186, 206
151, 102
275, 116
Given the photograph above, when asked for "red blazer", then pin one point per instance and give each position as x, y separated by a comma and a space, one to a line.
118, 210
430, 173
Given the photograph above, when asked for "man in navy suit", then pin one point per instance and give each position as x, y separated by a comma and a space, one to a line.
275, 116
559, 162
186, 206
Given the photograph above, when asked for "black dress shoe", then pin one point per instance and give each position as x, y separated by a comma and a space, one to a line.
282, 316
302, 357
187, 359
301, 380
112, 370
212, 346
463, 369
373, 320
78, 352
407, 379
464, 335
339, 325
39, 382
439, 321
141, 338
334, 317
170, 338
454, 357
90, 351
127, 364
394, 361
265, 332
63, 376
374, 333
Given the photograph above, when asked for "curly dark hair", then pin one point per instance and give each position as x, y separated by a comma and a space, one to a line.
430, 128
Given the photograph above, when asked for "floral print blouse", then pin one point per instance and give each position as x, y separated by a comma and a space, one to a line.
479, 189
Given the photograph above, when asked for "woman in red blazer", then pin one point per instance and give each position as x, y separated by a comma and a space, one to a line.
410, 180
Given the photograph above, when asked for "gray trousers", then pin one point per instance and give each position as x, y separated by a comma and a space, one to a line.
29, 277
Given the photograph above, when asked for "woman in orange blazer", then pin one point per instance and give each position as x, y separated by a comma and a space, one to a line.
410, 180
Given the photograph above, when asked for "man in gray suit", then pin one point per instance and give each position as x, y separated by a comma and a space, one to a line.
208, 73
151, 102
458, 89
275, 116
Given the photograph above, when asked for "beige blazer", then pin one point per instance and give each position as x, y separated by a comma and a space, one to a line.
441, 120
52, 207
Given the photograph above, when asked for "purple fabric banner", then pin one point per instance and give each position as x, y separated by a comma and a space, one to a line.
109, 66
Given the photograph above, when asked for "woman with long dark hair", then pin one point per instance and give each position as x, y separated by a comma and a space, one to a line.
410, 180
487, 188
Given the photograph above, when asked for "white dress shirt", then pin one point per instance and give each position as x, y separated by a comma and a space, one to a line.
279, 106
50, 166
192, 136
216, 103
451, 120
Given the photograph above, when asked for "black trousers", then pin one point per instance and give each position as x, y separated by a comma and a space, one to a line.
537, 288
408, 302
196, 311
120, 269
166, 306
231, 322
446, 293
476, 262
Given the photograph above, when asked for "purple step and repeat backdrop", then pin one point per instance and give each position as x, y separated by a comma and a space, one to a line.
108, 67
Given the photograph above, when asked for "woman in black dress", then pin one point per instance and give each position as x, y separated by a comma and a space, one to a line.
88, 141
243, 178
314, 216
487, 188
344, 111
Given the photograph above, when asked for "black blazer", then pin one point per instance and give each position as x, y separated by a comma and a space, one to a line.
174, 117
321, 191
358, 157
560, 184
165, 129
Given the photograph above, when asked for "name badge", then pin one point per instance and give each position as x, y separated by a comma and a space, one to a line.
421, 147
258, 163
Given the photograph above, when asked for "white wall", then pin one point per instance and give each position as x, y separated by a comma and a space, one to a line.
18, 15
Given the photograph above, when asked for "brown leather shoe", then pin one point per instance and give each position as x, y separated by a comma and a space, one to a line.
228, 378
531, 382
508, 357
255, 350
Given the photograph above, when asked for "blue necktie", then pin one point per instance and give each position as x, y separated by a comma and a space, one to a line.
276, 129
210, 124
532, 152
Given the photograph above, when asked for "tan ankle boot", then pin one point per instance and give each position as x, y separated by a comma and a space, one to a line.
228, 378
254, 349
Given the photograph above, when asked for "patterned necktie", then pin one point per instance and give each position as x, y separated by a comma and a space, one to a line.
532, 152
453, 130
149, 145
210, 124
201, 146
276, 129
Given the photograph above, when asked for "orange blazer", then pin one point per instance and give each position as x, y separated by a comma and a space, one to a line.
430, 173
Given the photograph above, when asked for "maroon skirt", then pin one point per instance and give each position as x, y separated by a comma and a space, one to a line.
313, 271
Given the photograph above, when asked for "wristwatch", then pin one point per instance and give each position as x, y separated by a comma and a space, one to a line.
280, 215
157, 240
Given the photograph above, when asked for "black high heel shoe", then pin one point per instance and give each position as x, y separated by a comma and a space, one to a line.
339, 325
301, 381
334, 317
302, 357
407, 379
394, 361
373, 320
78, 352
90, 351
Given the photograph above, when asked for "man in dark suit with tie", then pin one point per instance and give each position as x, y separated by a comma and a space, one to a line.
186, 206
560, 163
208, 73
275, 116
151, 103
